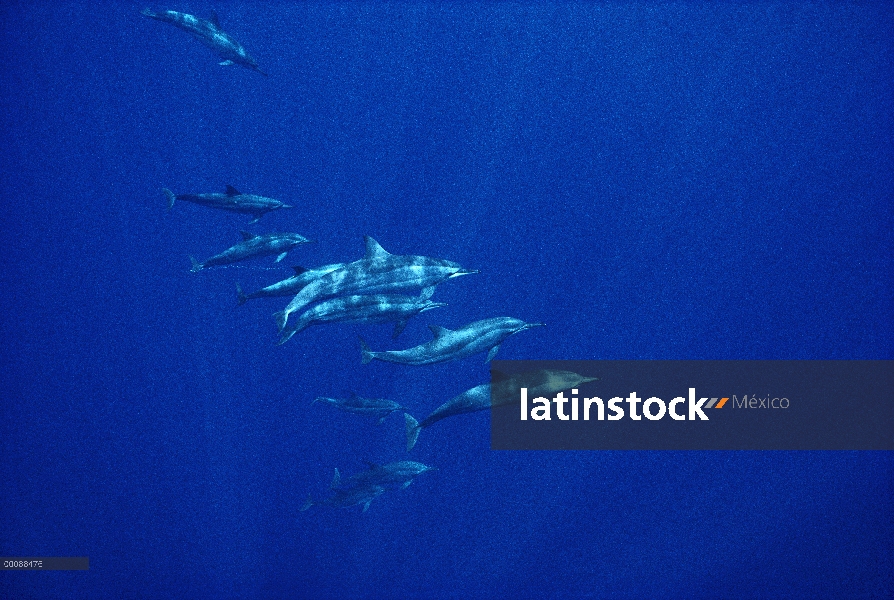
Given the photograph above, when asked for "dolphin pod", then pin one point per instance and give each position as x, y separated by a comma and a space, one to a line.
363, 291
210, 34
377, 272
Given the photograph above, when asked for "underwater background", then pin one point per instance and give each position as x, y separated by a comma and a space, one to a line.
651, 181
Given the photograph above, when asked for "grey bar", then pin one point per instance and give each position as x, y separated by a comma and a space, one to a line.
770, 405
44, 563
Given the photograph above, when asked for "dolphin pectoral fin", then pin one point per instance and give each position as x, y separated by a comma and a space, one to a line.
170, 196
241, 298
255, 220
366, 505
412, 427
307, 504
406, 484
492, 353
226, 63
399, 328
280, 257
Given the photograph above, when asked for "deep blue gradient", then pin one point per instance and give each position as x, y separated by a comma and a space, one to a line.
653, 182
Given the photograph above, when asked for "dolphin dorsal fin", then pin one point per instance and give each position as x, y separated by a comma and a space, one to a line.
231, 191
439, 331
372, 466
214, 20
374, 250
336, 479
299, 270
247, 236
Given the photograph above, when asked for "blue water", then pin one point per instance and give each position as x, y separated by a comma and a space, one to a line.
653, 182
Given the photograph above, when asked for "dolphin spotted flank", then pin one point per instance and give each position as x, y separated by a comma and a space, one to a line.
210, 34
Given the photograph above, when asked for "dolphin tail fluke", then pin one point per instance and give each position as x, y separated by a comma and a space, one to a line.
308, 503
285, 336
196, 265
168, 193
368, 354
399, 328
413, 428
242, 298
281, 319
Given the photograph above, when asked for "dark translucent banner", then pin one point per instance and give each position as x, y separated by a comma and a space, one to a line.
45, 563
692, 405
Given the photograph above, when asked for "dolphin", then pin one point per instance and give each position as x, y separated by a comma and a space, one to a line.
376, 308
375, 407
289, 286
398, 474
210, 34
503, 391
452, 345
343, 498
377, 272
253, 246
233, 200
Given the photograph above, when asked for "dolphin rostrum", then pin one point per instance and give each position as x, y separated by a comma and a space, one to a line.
375, 407
233, 200
543, 382
289, 286
377, 272
375, 308
210, 34
454, 344
253, 246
